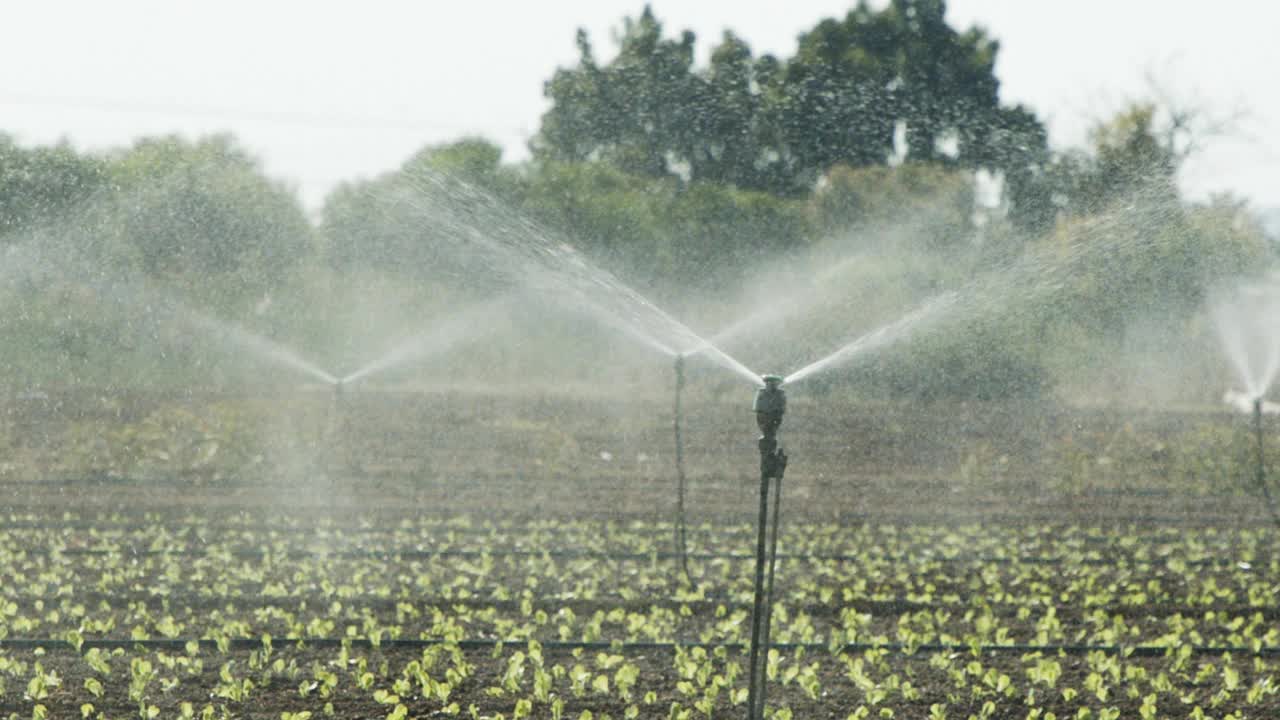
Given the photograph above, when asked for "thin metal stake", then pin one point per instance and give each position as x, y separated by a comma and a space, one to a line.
338, 445
1260, 476
754, 709
768, 593
681, 546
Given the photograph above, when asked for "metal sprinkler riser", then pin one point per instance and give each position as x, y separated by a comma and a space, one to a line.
769, 406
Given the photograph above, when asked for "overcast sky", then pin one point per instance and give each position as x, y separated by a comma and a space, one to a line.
324, 92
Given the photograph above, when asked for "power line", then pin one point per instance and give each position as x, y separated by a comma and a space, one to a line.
321, 121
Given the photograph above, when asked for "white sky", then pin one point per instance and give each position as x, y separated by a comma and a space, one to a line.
327, 91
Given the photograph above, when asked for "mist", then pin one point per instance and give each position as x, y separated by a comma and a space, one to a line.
805, 386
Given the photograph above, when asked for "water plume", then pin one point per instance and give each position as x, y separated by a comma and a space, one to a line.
878, 338
534, 256
136, 300
1077, 256
158, 307
459, 327
264, 348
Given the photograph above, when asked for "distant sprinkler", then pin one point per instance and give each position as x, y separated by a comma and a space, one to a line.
770, 405
1246, 403
1259, 407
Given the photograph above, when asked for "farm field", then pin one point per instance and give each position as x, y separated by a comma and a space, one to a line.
490, 555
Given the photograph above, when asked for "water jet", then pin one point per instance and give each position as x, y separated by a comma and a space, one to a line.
460, 327
533, 256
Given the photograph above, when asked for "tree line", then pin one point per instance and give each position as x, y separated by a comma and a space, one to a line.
680, 176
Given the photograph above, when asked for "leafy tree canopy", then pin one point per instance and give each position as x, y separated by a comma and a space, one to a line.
875, 86
205, 207
42, 183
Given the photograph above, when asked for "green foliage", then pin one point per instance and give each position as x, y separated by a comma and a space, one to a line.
1170, 591
167, 442
1134, 152
716, 232
611, 215
42, 184
680, 179
633, 112
929, 205
205, 210
980, 359
378, 224
777, 125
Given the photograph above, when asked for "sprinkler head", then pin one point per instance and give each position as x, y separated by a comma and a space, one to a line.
770, 405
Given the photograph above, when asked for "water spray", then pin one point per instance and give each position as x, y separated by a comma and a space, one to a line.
769, 406
681, 546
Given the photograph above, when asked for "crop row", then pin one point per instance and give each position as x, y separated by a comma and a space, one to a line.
897, 591
1060, 543
268, 622
529, 680
658, 623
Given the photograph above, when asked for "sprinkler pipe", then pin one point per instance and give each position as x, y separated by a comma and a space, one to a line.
769, 406
681, 545
1261, 474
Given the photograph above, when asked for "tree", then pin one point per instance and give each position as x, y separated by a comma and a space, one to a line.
727, 123
635, 112
1127, 156
43, 183
1018, 149
379, 224
837, 104
928, 205
1139, 149
766, 124
204, 209
660, 231
855, 83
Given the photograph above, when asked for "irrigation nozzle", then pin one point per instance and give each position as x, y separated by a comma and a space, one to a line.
770, 405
